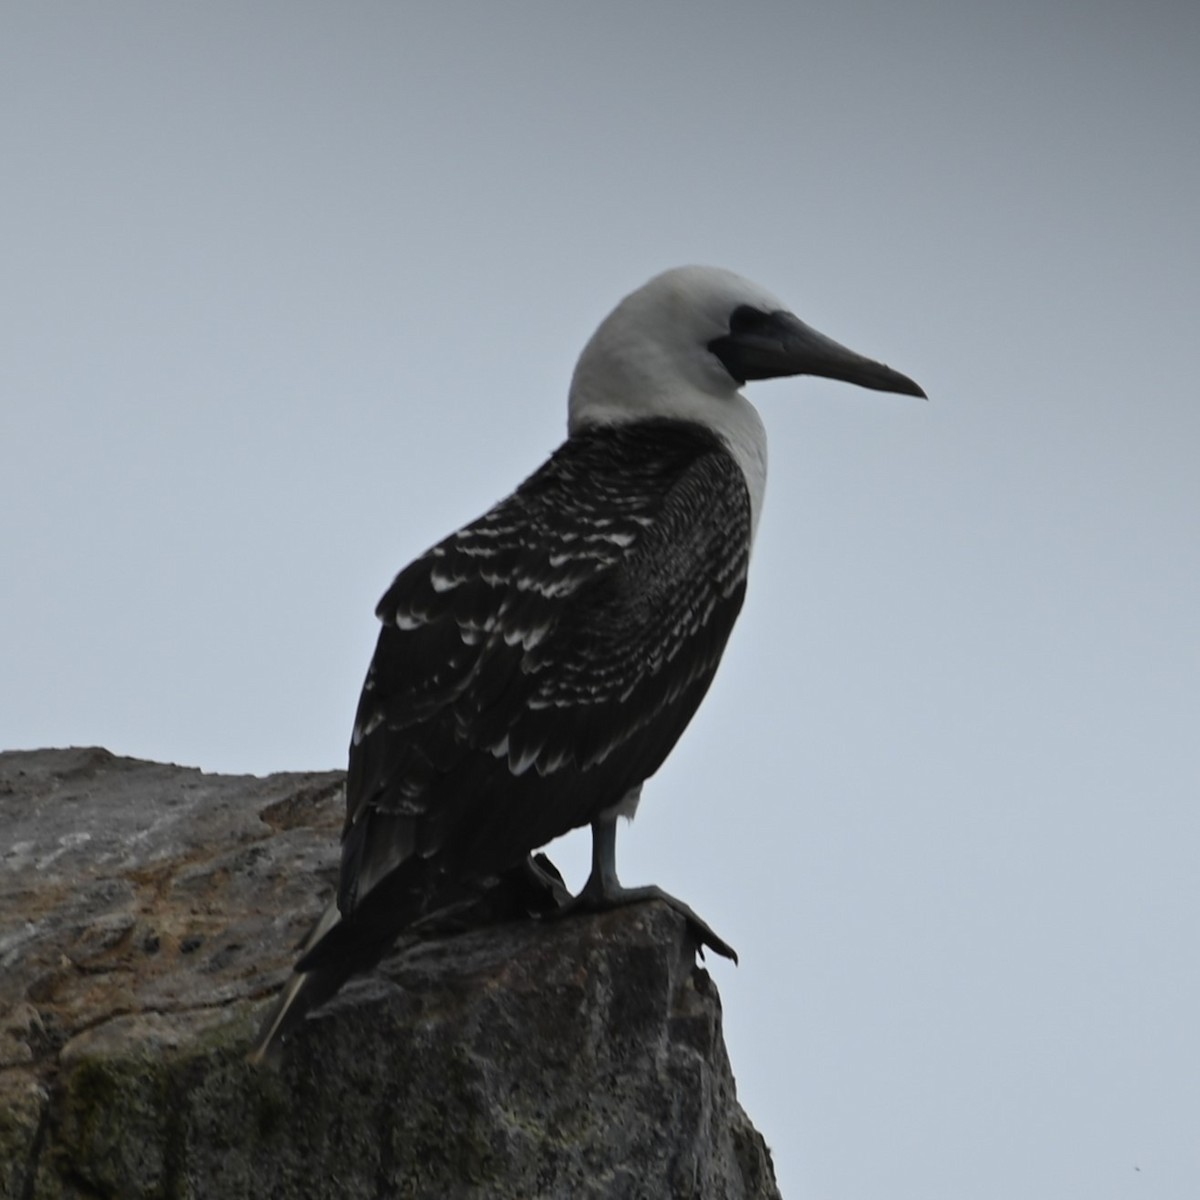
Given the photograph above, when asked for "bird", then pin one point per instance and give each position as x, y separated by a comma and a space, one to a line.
537, 666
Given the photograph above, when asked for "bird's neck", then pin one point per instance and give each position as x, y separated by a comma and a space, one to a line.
732, 418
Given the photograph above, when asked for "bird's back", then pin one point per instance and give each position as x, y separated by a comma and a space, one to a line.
538, 664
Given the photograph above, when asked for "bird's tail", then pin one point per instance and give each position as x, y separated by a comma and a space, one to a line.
302, 993
418, 900
338, 947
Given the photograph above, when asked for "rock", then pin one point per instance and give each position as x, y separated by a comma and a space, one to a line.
147, 914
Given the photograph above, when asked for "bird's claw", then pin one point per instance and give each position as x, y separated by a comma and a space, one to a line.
594, 899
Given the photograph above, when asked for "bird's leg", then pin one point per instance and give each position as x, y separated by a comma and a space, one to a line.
603, 889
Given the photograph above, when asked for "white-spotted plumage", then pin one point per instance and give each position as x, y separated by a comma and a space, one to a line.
534, 668
643, 362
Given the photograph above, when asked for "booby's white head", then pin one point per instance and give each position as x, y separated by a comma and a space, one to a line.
683, 345
650, 354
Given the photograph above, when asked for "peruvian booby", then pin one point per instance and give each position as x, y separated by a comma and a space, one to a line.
537, 666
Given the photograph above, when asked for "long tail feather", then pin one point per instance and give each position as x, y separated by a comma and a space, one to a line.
303, 992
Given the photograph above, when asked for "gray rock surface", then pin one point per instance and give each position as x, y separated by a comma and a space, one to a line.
147, 914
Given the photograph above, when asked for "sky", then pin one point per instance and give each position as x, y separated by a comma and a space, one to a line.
289, 291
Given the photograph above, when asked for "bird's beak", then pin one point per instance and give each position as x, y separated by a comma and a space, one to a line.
780, 344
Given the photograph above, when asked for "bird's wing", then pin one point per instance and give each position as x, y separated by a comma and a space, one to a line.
542, 661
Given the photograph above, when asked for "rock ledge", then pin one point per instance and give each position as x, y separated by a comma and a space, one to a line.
148, 911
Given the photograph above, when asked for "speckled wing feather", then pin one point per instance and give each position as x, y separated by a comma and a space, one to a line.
539, 663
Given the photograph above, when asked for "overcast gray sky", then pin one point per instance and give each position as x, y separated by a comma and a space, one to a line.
288, 291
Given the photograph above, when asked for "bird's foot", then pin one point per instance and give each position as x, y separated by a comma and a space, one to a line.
544, 888
533, 888
598, 897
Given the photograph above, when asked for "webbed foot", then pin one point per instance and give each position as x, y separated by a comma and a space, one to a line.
599, 897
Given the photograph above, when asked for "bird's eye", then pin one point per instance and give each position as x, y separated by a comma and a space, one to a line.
747, 319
